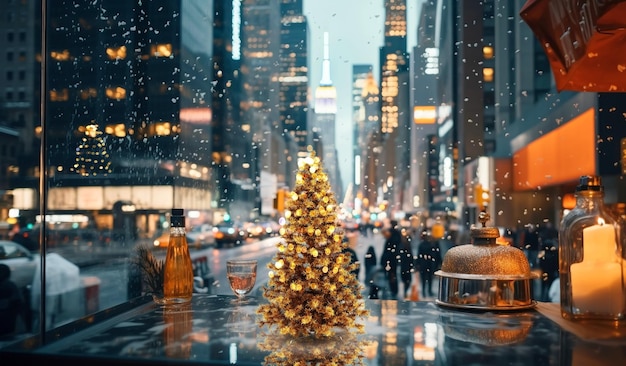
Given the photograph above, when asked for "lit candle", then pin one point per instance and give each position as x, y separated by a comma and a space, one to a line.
602, 238
598, 278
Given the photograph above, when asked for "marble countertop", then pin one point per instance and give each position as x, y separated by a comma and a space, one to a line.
216, 330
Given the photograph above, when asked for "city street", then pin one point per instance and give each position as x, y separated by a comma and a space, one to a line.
265, 250
377, 241
113, 273
110, 265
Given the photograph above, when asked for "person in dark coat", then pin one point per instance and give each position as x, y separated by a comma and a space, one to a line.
530, 241
429, 261
370, 263
354, 258
391, 257
549, 265
11, 301
406, 263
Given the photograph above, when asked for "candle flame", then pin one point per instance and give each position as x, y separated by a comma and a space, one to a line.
601, 221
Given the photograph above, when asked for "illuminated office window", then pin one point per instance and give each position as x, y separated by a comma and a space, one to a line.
161, 50
117, 130
88, 93
161, 129
488, 52
116, 53
59, 95
117, 93
488, 74
60, 55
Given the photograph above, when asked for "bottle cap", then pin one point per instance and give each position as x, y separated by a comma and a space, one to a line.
177, 219
590, 183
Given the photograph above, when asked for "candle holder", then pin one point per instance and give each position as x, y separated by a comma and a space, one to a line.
591, 266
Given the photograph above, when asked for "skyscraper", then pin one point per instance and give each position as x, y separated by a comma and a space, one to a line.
424, 175
324, 124
20, 85
359, 78
260, 43
293, 76
365, 119
131, 85
234, 162
395, 120
371, 152
393, 62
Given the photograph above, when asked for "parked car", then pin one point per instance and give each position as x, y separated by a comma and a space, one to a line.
162, 240
23, 262
254, 229
201, 236
271, 228
228, 233
198, 237
261, 229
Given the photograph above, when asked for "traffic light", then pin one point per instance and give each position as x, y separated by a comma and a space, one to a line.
482, 196
279, 201
486, 197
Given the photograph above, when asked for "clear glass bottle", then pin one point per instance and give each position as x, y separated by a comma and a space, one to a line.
590, 257
178, 276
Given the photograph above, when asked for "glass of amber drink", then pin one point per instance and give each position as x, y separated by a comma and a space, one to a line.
241, 276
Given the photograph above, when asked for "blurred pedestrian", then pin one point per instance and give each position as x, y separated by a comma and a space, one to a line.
407, 266
547, 234
370, 263
428, 261
549, 265
390, 257
530, 240
354, 258
11, 301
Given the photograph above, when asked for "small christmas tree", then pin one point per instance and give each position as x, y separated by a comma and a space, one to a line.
92, 157
311, 289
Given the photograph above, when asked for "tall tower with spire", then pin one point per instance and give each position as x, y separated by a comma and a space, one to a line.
326, 93
323, 129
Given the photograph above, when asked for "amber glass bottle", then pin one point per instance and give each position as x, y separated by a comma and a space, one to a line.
178, 276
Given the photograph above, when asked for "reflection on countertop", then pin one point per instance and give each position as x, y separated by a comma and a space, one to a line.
214, 330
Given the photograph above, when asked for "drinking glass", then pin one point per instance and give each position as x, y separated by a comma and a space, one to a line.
241, 276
